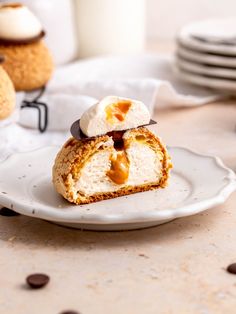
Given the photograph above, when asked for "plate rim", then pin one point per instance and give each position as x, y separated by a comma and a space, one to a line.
201, 69
225, 85
184, 36
150, 216
204, 57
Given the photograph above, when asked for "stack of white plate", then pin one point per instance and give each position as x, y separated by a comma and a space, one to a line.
206, 54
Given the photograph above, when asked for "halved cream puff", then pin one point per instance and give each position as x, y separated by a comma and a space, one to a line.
119, 157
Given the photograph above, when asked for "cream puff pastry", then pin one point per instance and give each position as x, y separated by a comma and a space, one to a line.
117, 155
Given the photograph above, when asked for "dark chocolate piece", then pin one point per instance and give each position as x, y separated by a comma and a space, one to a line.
70, 312
77, 133
9, 41
8, 212
37, 281
232, 268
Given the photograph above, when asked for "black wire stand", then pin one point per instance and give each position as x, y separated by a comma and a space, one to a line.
41, 108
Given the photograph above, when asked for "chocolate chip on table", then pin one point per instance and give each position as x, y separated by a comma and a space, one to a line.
37, 281
8, 212
232, 268
69, 312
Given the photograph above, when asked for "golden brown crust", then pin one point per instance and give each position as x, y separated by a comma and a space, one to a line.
7, 95
29, 66
74, 154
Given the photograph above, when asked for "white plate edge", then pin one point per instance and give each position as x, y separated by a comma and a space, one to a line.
133, 217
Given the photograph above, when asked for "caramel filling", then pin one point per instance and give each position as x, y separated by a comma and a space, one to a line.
117, 137
119, 171
116, 112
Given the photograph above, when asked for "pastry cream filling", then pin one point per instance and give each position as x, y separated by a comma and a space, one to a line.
101, 174
18, 22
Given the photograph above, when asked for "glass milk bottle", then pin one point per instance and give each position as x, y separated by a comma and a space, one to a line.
110, 26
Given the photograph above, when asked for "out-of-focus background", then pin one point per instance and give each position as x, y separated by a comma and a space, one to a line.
134, 24
164, 18
173, 53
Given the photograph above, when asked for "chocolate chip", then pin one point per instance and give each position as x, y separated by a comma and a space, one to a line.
69, 312
232, 268
37, 281
8, 212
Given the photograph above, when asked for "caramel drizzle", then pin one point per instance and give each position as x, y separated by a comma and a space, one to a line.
116, 112
119, 170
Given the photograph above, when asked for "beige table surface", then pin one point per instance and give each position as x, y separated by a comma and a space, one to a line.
178, 267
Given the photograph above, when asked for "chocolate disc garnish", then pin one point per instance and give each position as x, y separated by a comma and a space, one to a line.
150, 123
77, 133
10, 41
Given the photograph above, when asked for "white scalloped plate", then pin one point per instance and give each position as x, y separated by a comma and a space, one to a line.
218, 83
205, 58
197, 182
201, 69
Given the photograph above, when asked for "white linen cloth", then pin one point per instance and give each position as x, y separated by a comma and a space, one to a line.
75, 87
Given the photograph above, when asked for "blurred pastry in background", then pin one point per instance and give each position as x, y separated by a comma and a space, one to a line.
28, 61
7, 93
